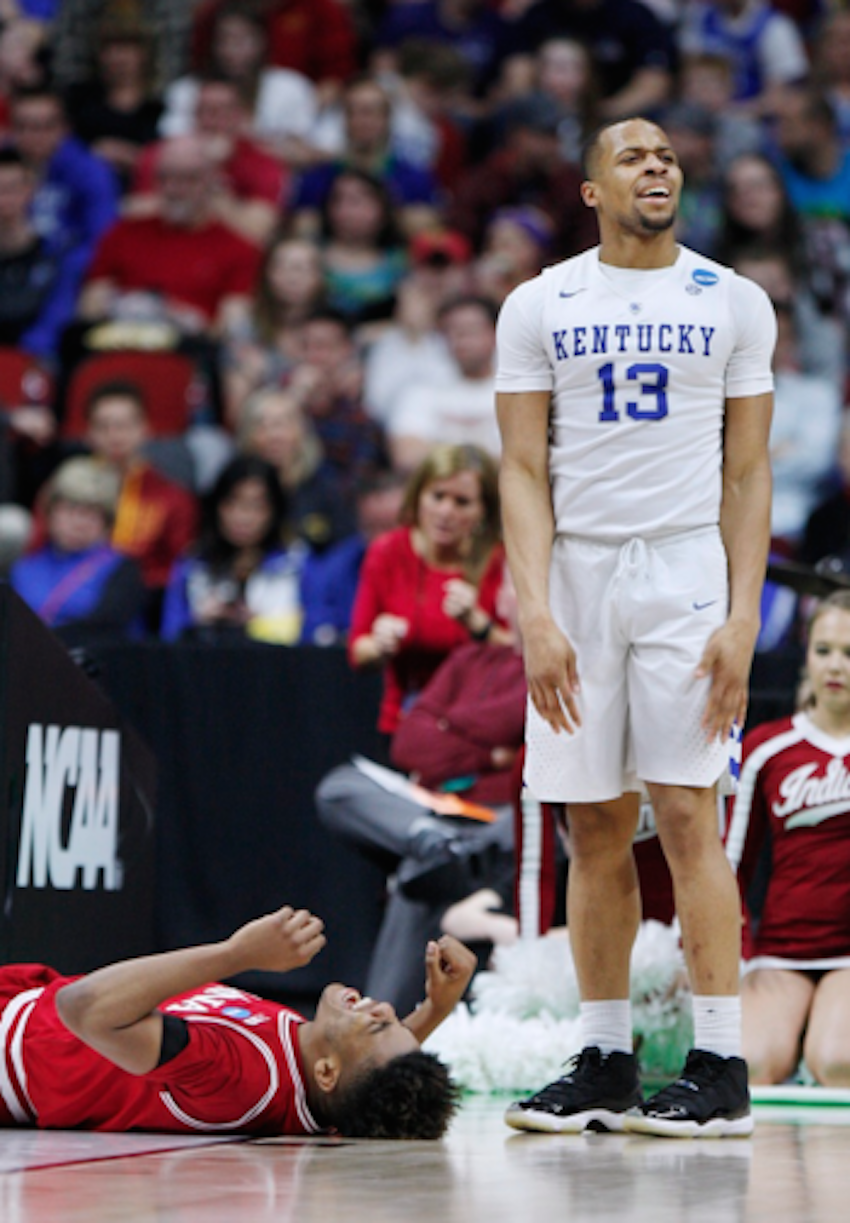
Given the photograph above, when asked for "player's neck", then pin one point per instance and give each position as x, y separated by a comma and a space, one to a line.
625, 250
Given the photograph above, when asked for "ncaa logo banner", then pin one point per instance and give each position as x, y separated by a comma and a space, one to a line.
82, 765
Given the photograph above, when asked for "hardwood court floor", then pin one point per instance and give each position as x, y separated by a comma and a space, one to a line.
796, 1169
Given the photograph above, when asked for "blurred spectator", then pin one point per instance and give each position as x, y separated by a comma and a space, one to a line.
429, 93
274, 426
77, 23
281, 103
38, 280
831, 66
413, 349
460, 412
526, 169
367, 146
691, 131
117, 109
329, 383
565, 72
827, 535
814, 164
757, 211
264, 346
707, 80
239, 580
249, 185
561, 73
336, 573
76, 193
764, 47
24, 57
156, 519
471, 27
803, 436
314, 37
77, 582
820, 339
430, 585
181, 266
632, 52
517, 244
363, 255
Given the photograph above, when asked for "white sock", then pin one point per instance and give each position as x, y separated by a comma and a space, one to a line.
607, 1024
717, 1024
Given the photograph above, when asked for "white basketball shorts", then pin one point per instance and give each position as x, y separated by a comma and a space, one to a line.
638, 615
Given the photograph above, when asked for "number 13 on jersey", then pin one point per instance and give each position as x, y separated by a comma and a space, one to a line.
651, 380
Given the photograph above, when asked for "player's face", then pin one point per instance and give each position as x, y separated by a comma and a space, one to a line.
361, 1030
828, 661
636, 180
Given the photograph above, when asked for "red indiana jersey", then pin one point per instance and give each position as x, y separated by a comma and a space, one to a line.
240, 1072
795, 784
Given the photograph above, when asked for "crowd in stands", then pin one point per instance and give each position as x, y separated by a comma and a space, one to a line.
314, 210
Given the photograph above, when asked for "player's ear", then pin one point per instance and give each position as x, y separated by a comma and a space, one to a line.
326, 1072
588, 193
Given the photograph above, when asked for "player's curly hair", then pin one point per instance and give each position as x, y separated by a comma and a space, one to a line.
411, 1096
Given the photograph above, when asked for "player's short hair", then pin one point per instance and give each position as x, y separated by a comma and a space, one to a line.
590, 147
412, 1096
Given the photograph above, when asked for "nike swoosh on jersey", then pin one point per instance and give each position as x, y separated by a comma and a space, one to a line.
574, 292
703, 606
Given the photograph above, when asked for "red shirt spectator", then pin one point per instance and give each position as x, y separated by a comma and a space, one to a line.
315, 37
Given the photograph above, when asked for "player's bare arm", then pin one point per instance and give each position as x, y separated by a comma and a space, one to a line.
449, 966
529, 527
114, 1009
745, 527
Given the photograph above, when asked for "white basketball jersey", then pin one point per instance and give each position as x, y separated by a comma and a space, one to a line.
639, 364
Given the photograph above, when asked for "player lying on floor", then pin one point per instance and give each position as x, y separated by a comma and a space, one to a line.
150, 1044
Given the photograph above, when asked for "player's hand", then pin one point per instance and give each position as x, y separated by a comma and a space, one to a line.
726, 661
449, 966
551, 669
280, 941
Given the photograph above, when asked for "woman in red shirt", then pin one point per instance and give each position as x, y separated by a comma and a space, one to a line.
430, 585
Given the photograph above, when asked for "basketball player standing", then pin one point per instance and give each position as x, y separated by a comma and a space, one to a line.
634, 396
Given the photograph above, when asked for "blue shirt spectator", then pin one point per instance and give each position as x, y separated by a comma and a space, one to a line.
76, 195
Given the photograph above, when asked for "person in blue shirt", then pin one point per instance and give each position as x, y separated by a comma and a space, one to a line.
813, 163
76, 582
76, 195
241, 580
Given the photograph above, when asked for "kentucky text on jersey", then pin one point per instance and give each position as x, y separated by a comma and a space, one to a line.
689, 339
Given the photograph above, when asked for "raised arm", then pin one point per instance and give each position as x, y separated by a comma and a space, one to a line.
114, 1009
745, 527
449, 966
529, 527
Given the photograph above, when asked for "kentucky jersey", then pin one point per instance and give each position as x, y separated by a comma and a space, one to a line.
795, 786
639, 364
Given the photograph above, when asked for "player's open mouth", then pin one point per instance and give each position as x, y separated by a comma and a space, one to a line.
655, 193
353, 1000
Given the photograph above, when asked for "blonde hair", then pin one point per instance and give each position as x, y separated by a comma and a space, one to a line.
86, 481
311, 454
839, 600
443, 462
